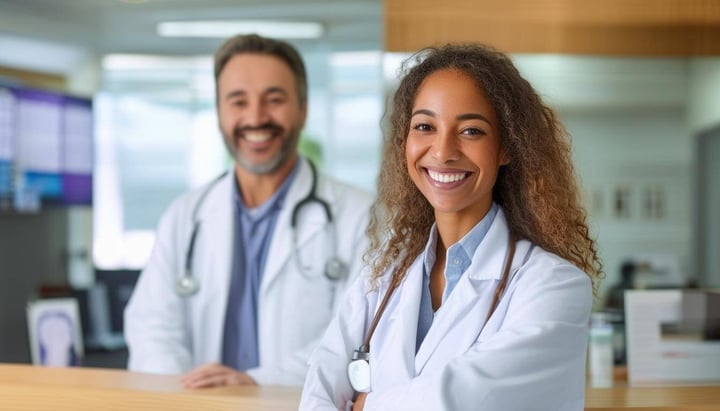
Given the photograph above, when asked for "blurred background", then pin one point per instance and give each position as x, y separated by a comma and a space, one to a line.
637, 83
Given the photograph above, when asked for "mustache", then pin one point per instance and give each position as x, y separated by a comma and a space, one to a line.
269, 126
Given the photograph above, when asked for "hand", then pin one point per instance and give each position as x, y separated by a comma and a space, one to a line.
359, 403
215, 375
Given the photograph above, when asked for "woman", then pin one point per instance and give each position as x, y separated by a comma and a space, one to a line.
480, 282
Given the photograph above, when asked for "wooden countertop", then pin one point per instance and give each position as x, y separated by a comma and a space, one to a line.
701, 398
26, 387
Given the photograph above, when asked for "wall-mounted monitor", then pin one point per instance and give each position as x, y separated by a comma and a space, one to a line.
77, 151
38, 140
46, 146
7, 148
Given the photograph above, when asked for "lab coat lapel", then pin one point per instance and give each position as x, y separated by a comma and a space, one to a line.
394, 339
309, 224
460, 319
215, 258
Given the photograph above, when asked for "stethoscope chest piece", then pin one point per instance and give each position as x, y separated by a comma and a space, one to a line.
335, 269
186, 286
359, 371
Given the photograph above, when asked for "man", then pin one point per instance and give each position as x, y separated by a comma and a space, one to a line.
256, 295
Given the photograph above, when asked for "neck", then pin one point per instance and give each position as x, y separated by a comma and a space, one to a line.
452, 227
256, 189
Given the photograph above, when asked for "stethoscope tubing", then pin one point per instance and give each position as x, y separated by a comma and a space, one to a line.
188, 285
359, 364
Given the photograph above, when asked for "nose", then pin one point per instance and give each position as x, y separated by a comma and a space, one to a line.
445, 146
255, 115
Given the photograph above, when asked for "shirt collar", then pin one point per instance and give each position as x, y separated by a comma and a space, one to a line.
465, 247
275, 202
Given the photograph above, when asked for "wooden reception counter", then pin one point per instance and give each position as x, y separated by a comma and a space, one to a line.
25, 387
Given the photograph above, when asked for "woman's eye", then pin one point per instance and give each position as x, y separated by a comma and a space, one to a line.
422, 127
472, 131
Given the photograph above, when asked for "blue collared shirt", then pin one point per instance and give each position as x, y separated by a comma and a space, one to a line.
254, 229
458, 259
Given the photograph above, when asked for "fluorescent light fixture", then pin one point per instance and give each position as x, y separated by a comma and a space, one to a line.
129, 62
228, 28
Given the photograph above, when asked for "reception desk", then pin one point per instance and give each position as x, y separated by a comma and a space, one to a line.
25, 387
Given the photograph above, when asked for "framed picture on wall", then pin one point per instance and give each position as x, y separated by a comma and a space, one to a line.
55, 332
597, 201
653, 201
622, 201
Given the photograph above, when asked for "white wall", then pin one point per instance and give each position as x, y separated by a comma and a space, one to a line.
84, 78
635, 149
704, 94
704, 119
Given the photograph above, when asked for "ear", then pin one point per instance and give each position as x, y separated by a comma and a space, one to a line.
504, 157
303, 114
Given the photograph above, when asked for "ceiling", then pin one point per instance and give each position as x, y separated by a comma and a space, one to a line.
129, 26
54, 35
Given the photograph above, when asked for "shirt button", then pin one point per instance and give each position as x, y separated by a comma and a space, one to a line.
456, 261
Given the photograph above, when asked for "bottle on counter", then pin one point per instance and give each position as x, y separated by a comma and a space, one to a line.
600, 348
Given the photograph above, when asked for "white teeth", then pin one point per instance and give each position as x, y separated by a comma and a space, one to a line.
257, 137
446, 177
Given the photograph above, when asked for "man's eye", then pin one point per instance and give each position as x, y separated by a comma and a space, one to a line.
276, 100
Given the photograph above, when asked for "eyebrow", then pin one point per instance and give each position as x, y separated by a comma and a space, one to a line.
269, 90
466, 116
235, 93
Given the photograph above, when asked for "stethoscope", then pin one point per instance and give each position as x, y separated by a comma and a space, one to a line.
334, 269
359, 367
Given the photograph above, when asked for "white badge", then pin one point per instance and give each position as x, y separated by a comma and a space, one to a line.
359, 375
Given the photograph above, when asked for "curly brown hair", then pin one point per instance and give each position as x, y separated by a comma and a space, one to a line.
537, 190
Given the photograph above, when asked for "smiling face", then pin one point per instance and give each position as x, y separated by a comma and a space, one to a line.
453, 148
259, 112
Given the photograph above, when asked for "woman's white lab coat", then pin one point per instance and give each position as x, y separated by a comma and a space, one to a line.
167, 333
529, 356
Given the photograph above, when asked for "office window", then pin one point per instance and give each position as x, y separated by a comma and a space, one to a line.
354, 142
156, 138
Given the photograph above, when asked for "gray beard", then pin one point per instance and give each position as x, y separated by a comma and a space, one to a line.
289, 145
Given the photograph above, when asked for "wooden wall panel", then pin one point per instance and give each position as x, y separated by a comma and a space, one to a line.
600, 27
33, 79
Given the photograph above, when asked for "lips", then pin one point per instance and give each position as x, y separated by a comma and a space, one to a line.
258, 135
446, 177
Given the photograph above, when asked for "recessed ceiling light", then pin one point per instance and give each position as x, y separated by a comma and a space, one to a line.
228, 28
